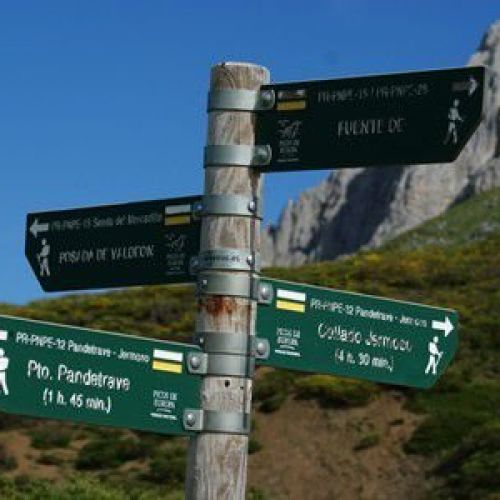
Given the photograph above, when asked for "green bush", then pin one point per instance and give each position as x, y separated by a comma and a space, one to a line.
272, 389
441, 431
50, 436
7, 461
335, 392
256, 494
80, 488
109, 453
168, 466
452, 416
273, 403
367, 441
472, 470
8, 421
254, 446
50, 459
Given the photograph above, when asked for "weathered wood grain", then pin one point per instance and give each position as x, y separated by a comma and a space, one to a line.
217, 463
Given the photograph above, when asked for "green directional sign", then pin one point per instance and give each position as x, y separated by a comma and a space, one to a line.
313, 329
101, 378
396, 119
143, 243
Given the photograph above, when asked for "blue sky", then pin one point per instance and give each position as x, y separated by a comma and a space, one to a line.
103, 101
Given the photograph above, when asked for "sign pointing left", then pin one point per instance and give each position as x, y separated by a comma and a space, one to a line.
145, 243
101, 378
38, 227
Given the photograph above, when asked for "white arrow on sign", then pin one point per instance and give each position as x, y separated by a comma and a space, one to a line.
473, 85
38, 227
445, 326
470, 86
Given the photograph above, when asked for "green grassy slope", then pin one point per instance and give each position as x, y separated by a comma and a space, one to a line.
453, 261
472, 220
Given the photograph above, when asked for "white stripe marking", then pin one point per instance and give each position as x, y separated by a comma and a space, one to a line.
289, 295
168, 355
3, 334
287, 353
178, 209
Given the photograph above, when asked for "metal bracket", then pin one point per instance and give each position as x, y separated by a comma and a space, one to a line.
217, 422
232, 205
228, 365
237, 155
265, 293
233, 285
240, 100
229, 259
233, 343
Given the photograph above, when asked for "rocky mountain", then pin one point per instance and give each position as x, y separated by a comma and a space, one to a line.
362, 207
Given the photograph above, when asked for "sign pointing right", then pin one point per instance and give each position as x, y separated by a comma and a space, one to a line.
319, 330
445, 326
394, 119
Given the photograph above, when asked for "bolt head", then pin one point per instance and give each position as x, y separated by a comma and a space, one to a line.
266, 97
250, 260
190, 419
204, 283
252, 206
195, 362
261, 156
261, 348
265, 292
198, 208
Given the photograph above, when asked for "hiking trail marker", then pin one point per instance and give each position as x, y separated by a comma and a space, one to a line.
313, 329
110, 379
101, 378
395, 119
145, 243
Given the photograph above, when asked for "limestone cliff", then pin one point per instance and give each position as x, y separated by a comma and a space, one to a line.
354, 208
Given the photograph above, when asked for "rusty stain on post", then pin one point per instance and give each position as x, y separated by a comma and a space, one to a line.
217, 463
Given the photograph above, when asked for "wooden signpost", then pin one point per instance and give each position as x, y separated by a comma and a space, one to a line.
205, 390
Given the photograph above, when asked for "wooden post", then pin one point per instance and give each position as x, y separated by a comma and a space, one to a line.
217, 463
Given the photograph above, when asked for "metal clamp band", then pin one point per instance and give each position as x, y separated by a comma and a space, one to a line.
240, 100
225, 342
233, 285
237, 155
229, 259
233, 343
217, 422
231, 205
229, 365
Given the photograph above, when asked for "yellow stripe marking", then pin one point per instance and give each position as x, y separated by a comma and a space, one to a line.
291, 105
290, 306
177, 220
167, 367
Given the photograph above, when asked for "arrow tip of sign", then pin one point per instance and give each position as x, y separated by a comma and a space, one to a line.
448, 327
472, 85
33, 228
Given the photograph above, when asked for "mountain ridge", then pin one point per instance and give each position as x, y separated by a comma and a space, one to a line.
443, 442
365, 207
